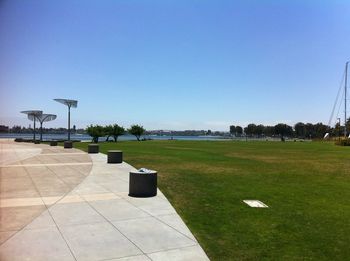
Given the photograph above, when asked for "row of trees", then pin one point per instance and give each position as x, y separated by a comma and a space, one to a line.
299, 130
260, 130
114, 131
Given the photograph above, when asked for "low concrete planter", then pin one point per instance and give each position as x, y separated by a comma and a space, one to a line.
93, 148
143, 184
68, 144
115, 156
37, 142
53, 143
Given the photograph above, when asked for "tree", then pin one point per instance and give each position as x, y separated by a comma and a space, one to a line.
250, 129
239, 130
320, 130
300, 130
117, 131
233, 130
269, 131
309, 130
259, 130
283, 130
108, 131
95, 132
136, 130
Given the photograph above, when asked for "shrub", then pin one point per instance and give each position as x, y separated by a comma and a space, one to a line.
343, 142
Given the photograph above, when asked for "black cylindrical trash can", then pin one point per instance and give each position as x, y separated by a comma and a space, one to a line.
53, 143
93, 148
115, 156
143, 183
68, 144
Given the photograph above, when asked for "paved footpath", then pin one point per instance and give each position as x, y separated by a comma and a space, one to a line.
65, 204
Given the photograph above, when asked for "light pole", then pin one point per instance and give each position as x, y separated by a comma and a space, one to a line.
32, 115
69, 104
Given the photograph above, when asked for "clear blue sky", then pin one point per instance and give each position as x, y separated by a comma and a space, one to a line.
173, 64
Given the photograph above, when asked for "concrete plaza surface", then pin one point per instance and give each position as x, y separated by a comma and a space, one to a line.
65, 204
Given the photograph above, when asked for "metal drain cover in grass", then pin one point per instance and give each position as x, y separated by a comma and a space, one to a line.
255, 204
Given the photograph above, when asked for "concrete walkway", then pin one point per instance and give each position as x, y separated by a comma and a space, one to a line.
64, 204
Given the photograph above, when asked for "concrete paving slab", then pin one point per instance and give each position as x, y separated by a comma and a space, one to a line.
55, 154
20, 202
43, 221
15, 218
74, 213
117, 209
70, 198
5, 235
154, 206
117, 186
56, 190
181, 254
20, 187
11, 173
36, 171
98, 242
48, 201
86, 188
131, 258
33, 160
98, 197
16, 165
48, 181
37, 244
174, 221
151, 235
63, 170
103, 178
82, 168
11, 152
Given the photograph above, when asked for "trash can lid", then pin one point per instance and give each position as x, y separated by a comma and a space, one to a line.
144, 171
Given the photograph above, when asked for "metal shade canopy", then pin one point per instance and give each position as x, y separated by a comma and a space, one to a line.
42, 117
33, 114
69, 104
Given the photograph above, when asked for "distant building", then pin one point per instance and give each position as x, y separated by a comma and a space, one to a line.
4, 128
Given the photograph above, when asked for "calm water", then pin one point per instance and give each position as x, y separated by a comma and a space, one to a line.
123, 137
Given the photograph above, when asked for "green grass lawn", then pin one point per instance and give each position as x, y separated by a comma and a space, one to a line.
306, 186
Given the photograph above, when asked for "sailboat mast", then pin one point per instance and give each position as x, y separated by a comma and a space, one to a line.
345, 89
